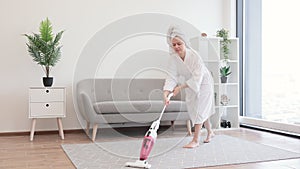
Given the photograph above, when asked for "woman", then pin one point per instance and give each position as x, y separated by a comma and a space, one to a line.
187, 65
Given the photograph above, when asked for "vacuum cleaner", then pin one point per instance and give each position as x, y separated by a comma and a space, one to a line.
148, 142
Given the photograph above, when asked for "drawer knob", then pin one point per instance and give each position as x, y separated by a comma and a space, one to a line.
47, 105
47, 91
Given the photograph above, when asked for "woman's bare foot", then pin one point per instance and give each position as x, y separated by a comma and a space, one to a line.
192, 144
209, 136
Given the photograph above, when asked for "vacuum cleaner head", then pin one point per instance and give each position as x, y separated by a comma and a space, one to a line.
138, 164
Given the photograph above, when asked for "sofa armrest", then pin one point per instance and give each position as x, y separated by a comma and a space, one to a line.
89, 112
87, 106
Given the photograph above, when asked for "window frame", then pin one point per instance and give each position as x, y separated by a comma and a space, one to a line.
249, 32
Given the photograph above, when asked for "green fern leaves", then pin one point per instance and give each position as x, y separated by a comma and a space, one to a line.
223, 33
44, 47
46, 30
225, 71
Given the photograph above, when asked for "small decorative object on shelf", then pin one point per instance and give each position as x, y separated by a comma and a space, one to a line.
224, 73
223, 33
44, 48
224, 100
225, 124
203, 34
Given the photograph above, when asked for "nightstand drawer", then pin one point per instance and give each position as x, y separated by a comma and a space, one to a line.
46, 95
53, 109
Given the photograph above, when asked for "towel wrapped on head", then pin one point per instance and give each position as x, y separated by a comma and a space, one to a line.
175, 31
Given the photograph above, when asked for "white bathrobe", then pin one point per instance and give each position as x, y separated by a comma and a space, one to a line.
200, 92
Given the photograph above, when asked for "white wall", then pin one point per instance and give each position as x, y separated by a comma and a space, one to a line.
81, 20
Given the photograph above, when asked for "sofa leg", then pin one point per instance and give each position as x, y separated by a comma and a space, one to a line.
189, 128
172, 125
95, 127
87, 130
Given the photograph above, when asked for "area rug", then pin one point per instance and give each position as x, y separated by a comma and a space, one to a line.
168, 153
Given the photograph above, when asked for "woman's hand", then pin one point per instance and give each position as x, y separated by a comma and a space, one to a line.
177, 89
166, 94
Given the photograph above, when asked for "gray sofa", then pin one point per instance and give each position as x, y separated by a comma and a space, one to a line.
120, 101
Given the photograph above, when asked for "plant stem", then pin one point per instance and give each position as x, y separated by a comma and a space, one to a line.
47, 71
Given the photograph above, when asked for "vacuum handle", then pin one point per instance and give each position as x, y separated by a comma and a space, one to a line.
162, 112
170, 95
168, 99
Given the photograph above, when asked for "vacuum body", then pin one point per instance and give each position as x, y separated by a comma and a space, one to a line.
148, 142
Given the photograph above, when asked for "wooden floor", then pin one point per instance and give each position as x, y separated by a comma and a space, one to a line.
45, 150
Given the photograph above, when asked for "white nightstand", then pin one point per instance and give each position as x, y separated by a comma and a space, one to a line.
47, 103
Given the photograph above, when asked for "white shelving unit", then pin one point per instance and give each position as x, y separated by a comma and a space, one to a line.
209, 49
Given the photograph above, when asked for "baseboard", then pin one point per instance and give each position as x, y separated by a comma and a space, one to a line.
253, 127
46, 132
272, 125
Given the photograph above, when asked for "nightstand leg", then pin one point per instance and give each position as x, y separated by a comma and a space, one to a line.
60, 128
32, 129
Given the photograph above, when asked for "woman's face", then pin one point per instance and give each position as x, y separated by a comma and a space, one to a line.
178, 45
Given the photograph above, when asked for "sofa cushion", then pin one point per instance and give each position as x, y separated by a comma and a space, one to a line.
140, 106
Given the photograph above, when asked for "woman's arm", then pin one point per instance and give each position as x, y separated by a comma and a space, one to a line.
177, 89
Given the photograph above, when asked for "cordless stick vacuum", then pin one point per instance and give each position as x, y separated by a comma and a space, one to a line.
148, 142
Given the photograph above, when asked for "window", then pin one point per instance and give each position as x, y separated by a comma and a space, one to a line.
271, 85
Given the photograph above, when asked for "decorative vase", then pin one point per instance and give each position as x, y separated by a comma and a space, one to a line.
47, 81
223, 79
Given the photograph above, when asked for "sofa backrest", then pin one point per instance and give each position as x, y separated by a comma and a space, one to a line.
123, 89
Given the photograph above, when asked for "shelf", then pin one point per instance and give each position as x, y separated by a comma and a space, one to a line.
210, 50
211, 61
219, 61
233, 61
228, 106
225, 84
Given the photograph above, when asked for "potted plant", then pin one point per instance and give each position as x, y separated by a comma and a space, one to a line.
224, 73
223, 33
45, 49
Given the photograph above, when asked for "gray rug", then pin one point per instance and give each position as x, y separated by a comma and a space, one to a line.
168, 153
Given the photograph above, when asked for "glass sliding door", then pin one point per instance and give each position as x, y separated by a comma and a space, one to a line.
281, 61
272, 59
